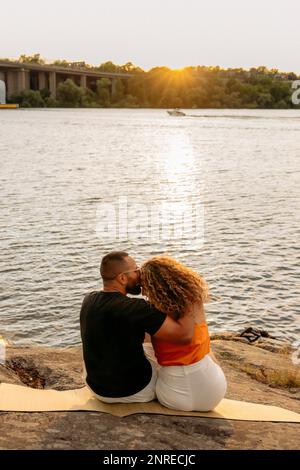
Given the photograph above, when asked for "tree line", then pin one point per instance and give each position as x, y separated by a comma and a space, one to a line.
161, 87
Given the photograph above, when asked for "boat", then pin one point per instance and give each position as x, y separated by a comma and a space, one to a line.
176, 112
9, 106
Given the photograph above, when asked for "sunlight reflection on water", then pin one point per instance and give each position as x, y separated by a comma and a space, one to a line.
59, 166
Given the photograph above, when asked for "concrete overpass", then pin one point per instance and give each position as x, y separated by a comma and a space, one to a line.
26, 76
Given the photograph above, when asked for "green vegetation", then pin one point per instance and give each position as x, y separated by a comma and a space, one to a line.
29, 99
161, 87
31, 59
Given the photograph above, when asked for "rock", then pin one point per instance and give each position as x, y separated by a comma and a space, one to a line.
61, 369
9, 376
268, 371
270, 344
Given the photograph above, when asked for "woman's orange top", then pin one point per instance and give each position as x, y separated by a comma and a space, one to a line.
171, 354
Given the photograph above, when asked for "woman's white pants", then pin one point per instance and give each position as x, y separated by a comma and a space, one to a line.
195, 387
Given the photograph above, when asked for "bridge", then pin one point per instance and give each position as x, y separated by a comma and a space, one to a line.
19, 76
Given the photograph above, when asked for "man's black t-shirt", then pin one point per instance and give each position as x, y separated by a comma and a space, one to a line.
113, 327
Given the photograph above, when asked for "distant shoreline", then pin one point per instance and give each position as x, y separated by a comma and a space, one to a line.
128, 86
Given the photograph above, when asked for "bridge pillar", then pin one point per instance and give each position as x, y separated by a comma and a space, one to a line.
52, 84
42, 80
11, 83
113, 86
83, 81
23, 81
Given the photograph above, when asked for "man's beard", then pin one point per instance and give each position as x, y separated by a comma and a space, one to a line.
133, 290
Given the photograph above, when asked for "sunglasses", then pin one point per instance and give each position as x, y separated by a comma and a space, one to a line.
131, 271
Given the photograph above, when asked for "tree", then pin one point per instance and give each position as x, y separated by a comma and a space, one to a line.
137, 87
170, 99
108, 67
281, 92
118, 91
28, 99
61, 63
130, 102
264, 100
103, 92
69, 94
129, 67
51, 102
32, 59
88, 98
45, 93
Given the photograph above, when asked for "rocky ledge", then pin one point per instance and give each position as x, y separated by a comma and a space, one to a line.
261, 372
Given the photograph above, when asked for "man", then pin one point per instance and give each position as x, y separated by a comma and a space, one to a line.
113, 328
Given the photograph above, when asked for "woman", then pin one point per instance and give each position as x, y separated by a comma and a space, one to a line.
188, 378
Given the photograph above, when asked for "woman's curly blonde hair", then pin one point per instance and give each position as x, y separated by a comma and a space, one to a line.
170, 286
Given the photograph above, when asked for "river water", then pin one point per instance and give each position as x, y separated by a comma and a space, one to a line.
217, 189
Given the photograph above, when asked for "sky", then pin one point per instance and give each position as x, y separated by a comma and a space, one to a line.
149, 33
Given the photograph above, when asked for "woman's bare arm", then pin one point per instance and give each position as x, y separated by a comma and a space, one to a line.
177, 331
